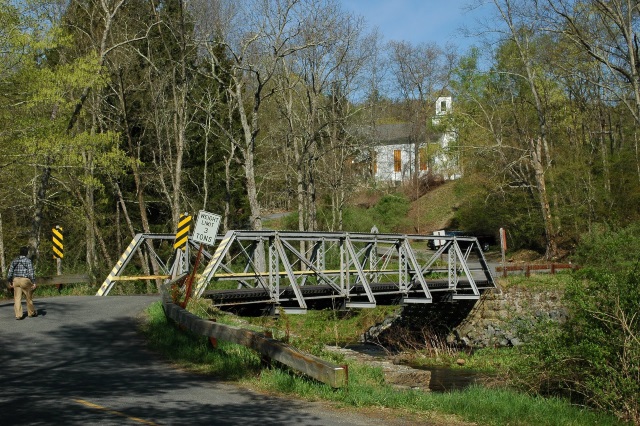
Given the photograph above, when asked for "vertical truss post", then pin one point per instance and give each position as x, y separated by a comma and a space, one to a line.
469, 275
320, 274
453, 266
320, 256
274, 271
344, 268
292, 278
403, 273
316, 260
373, 262
180, 264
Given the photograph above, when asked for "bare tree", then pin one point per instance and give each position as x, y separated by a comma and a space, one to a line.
421, 75
313, 86
604, 33
607, 32
256, 36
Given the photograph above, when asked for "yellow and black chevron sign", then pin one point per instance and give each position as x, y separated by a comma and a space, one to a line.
183, 232
58, 242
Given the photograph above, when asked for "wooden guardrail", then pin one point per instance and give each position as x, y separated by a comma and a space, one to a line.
334, 375
57, 280
63, 279
527, 268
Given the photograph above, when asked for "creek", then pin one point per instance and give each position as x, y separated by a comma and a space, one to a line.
441, 379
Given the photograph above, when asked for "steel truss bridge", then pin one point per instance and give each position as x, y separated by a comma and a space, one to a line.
294, 271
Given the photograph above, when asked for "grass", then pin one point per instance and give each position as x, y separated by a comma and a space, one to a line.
557, 281
229, 361
476, 404
325, 327
367, 387
434, 210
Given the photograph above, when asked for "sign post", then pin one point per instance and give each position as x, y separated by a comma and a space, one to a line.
57, 239
503, 248
180, 245
182, 234
204, 233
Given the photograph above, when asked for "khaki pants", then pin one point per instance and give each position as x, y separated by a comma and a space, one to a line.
23, 285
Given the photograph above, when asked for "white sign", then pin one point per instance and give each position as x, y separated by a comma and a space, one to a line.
206, 228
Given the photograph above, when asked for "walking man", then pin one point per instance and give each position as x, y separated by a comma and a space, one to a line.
22, 279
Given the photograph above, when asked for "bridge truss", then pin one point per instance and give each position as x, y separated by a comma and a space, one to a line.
291, 271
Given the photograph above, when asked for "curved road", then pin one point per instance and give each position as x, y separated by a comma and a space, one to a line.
81, 362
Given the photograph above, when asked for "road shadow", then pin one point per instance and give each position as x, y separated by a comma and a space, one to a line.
53, 375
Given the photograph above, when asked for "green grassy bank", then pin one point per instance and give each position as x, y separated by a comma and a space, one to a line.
367, 389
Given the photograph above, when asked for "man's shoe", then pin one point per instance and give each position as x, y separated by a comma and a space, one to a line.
18, 319
33, 316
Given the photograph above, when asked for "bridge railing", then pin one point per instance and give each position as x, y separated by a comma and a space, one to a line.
349, 265
352, 268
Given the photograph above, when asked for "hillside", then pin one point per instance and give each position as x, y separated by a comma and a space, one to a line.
432, 211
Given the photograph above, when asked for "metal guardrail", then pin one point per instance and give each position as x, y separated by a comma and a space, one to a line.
334, 375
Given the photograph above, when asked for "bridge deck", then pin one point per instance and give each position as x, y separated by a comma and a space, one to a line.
384, 293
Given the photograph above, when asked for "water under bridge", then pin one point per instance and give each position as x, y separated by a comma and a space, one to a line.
291, 271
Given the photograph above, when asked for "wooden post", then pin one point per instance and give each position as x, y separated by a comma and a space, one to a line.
265, 360
503, 249
59, 272
213, 340
190, 278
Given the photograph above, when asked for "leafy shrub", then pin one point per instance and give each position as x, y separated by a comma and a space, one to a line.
482, 212
356, 219
608, 250
594, 355
390, 212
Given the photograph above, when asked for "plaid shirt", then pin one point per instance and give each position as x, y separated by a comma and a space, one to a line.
21, 267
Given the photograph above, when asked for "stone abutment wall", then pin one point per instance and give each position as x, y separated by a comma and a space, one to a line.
498, 319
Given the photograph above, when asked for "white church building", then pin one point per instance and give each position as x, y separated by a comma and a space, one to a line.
398, 155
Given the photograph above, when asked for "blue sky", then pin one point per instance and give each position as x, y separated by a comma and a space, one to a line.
416, 21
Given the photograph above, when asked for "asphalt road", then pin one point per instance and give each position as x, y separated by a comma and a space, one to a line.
81, 361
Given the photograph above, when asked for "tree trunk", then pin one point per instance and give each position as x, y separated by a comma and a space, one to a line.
252, 191
3, 265
144, 263
36, 224
139, 187
545, 208
96, 231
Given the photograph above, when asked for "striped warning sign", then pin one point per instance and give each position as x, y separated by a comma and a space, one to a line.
58, 245
182, 234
